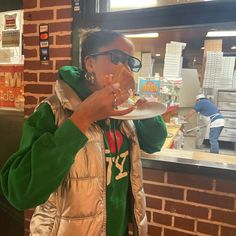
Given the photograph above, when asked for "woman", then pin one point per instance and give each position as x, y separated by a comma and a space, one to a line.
79, 167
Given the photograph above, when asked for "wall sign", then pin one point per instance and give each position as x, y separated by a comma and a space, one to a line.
11, 86
10, 38
44, 43
10, 21
76, 5
149, 86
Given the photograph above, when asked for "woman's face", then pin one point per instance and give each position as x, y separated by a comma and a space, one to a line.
102, 66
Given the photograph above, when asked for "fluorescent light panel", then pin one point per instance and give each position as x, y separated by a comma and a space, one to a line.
228, 33
127, 4
143, 35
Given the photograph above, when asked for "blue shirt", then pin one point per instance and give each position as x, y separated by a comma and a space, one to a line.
207, 108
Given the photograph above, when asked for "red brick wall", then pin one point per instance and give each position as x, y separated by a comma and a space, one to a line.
39, 79
183, 204
178, 204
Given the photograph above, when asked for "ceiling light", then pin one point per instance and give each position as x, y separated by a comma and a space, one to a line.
158, 55
233, 47
144, 35
127, 4
202, 48
221, 33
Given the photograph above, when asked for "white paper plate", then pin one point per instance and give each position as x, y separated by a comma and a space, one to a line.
148, 110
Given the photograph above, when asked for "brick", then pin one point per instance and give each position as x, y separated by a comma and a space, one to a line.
153, 175
130, 228
162, 219
194, 181
60, 63
210, 199
62, 26
29, 28
62, 40
28, 111
186, 209
35, 65
227, 231
26, 233
26, 224
184, 223
164, 191
47, 77
60, 52
28, 213
149, 215
30, 100
38, 89
34, 40
29, 53
29, 4
46, 3
31, 40
30, 76
154, 230
41, 99
207, 228
153, 203
64, 13
38, 15
224, 216
226, 186
171, 232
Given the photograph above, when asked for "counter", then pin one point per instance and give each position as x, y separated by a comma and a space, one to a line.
189, 161
11, 120
190, 193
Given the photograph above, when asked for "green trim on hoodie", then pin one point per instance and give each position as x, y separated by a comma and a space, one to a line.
42, 161
47, 152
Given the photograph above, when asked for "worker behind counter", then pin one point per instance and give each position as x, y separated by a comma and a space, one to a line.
206, 108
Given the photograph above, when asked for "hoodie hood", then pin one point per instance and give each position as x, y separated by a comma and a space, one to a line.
74, 77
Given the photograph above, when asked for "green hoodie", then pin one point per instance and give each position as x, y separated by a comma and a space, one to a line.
47, 152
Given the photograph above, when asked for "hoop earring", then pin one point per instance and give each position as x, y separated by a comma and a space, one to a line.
90, 77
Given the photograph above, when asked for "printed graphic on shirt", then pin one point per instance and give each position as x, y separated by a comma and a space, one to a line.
116, 161
118, 167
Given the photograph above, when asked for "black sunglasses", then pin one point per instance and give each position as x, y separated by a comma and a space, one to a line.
122, 57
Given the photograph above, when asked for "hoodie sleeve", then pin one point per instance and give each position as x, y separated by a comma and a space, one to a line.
151, 133
42, 161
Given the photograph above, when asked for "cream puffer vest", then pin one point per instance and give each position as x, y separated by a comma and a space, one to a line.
78, 206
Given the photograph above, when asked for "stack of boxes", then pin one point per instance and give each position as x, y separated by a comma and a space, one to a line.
218, 71
213, 68
173, 60
234, 80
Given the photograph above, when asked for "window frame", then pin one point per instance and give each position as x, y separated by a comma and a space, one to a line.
160, 18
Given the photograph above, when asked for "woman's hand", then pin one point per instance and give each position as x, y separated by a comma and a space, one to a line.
101, 105
140, 102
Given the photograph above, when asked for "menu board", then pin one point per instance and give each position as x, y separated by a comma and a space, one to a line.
11, 86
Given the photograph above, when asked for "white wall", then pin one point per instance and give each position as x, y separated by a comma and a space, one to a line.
13, 52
